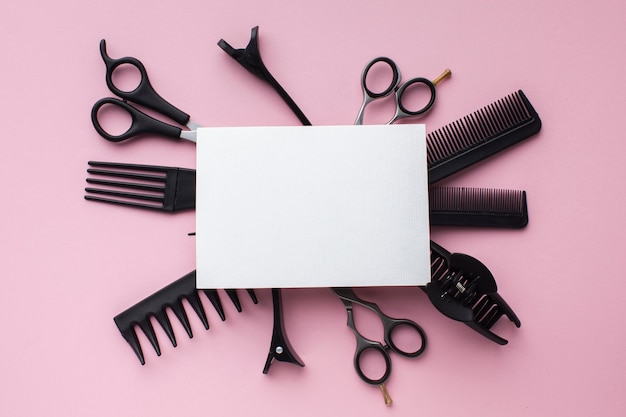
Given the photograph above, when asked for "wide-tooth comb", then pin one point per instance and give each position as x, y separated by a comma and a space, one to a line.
479, 135
145, 186
169, 297
481, 207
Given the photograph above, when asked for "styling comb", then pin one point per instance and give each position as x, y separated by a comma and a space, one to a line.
480, 134
462, 288
480, 207
170, 297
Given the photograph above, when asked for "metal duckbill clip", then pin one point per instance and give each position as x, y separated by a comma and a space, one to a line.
280, 348
463, 289
250, 59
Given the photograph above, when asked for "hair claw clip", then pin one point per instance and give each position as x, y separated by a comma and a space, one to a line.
463, 289
250, 59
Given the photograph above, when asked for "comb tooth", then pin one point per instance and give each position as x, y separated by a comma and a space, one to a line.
179, 311
124, 203
495, 118
436, 146
232, 294
124, 184
507, 111
123, 194
196, 304
127, 175
148, 330
164, 321
136, 167
131, 337
214, 298
517, 107
252, 296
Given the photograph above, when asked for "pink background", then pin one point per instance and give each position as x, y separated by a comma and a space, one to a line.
68, 265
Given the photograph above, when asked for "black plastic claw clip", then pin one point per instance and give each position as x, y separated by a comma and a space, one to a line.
463, 289
280, 348
156, 306
250, 59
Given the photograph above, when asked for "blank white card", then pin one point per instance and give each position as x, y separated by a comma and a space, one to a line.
286, 207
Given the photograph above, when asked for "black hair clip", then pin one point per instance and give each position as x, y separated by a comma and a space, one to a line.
463, 289
250, 59
280, 348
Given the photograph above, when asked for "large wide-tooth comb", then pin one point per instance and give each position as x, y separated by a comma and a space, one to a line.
156, 305
479, 135
481, 207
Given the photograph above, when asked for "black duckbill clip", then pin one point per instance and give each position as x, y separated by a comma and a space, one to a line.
250, 59
463, 289
280, 348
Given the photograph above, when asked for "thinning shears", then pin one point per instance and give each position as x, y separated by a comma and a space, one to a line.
144, 95
399, 90
390, 326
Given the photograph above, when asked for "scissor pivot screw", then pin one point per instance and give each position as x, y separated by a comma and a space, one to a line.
279, 350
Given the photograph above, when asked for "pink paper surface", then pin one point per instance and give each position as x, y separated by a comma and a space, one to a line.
68, 265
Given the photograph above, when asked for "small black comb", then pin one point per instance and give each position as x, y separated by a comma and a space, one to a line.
145, 186
171, 297
480, 207
479, 135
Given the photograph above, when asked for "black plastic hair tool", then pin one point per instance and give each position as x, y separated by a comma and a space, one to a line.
250, 59
479, 135
463, 289
479, 207
170, 297
280, 348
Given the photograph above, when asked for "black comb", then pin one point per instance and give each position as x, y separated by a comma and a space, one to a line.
462, 288
481, 207
479, 135
145, 186
171, 297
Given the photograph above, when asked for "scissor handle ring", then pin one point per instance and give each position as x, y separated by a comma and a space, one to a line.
394, 82
409, 83
114, 102
113, 63
357, 363
395, 324
140, 122
144, 83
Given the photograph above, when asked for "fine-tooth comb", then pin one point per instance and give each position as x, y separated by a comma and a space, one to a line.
169, 297
481, 207
150, 186
462, 288
480, 135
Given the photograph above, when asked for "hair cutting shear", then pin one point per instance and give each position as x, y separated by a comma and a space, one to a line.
363, 344
145, 95
398, 89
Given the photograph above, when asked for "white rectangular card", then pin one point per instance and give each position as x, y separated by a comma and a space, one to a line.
323, 206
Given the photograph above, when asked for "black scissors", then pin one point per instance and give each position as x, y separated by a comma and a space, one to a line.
363, 344
398, 88
145, 95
